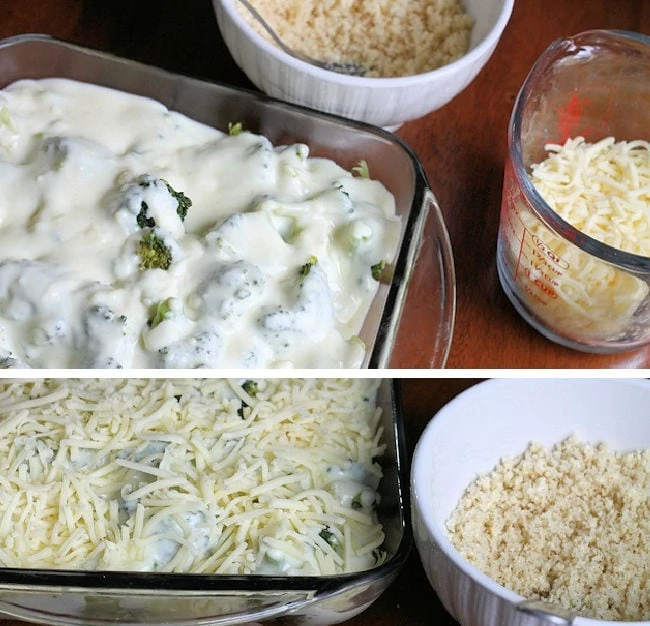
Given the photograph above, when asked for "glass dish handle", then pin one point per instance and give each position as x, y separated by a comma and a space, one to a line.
444, 257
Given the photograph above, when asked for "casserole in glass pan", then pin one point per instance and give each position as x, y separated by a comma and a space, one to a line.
423, 239
69, 596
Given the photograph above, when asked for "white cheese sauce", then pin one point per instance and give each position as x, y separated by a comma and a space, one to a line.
270, 266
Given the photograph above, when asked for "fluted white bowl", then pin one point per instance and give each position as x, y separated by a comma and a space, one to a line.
386, 102
468, 436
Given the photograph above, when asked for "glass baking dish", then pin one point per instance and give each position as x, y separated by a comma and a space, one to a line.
346, 142
95, 597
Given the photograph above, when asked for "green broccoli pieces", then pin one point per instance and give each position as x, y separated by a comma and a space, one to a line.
152, 248
107, 339
161, 312
250, 387
183, 202
143, 220
361, 169
328, 536
154, 253
304, 270
235, 128
377, 270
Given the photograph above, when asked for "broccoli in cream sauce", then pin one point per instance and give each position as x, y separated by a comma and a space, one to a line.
133, 236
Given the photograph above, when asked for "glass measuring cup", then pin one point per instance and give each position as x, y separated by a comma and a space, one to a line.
575, 290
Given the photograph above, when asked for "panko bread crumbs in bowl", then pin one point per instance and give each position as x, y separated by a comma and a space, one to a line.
567, 524
401, 60
386, 38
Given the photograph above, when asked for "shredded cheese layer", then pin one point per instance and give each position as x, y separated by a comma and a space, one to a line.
603, 190
207, 476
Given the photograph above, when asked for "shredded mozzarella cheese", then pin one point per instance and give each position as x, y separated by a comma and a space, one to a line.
603, 190
207, 476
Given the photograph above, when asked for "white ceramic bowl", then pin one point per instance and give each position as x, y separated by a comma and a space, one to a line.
386, 102
469, 435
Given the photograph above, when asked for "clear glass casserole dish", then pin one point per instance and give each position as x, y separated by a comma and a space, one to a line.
101, 597
345, 142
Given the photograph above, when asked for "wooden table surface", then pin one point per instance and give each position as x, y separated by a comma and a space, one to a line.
462, 147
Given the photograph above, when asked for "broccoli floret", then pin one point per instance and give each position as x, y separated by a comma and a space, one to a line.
167, 324
102, 313
361, 169
79, 154
377, 270
154, 253
150, 202
250, 387
153, 212
230, 290
183, 203
306, 267
235, 128
33, 291
328, 536
200, 350
107, 339
161, 311
56, 149
142, 219
9, 361
310, 314
341, 189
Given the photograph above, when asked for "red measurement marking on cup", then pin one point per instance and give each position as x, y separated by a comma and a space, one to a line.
540, 265
572, 120
521, 252
510, 215
545, 283
549, 254
570, 117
